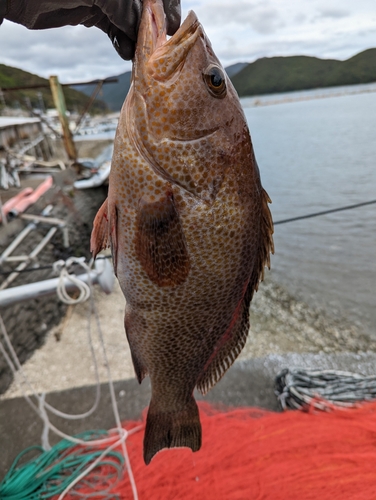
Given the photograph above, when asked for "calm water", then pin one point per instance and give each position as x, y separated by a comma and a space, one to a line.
315, 155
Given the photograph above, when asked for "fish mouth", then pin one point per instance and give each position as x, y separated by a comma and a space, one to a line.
156, 54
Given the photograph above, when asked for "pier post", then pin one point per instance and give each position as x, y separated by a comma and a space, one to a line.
59, 101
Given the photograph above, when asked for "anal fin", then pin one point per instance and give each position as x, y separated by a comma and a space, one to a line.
160, 242
171, 429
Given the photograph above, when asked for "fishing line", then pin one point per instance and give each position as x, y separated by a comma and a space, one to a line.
112, 391
325, 212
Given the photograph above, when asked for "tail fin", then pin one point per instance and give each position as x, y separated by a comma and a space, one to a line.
172, 429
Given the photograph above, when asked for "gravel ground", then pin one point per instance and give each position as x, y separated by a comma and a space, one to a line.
280, 325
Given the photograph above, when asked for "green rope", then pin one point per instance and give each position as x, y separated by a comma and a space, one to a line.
50, 472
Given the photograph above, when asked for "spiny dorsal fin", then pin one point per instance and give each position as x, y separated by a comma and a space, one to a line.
160, 242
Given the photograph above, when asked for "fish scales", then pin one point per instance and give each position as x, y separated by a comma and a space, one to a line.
188, 222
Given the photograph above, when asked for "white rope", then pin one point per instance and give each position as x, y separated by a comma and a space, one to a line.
114, 404
119, 434
62, 268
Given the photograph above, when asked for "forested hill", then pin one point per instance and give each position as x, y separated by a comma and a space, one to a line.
274, 74
14, 77
264, 76
283, 74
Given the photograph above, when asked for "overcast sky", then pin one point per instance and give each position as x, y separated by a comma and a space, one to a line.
240, 30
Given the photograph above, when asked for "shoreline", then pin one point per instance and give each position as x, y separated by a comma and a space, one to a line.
280, 324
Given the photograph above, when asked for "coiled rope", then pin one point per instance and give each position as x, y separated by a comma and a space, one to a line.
323, 389
62, 268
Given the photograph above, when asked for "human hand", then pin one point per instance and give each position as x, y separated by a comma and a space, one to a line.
120, 19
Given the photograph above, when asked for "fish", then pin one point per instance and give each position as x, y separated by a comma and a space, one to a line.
188, 223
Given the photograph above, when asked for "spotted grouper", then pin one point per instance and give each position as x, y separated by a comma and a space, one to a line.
188, 223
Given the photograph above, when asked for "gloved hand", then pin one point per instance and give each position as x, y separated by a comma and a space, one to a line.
120, 19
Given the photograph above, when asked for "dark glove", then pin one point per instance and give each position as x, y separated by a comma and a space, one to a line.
3, 9
120, 19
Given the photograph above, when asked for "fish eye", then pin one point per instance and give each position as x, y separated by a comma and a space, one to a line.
215, 81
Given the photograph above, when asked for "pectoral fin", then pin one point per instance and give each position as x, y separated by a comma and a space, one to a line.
160, 242
100, 234
104, 233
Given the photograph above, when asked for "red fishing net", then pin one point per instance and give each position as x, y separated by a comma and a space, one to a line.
259, 455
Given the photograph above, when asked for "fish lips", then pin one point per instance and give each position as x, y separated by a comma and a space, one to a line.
156, 56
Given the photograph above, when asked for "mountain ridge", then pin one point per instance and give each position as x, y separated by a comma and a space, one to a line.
286, 74
267, 75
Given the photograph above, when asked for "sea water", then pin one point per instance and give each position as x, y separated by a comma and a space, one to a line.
318, 154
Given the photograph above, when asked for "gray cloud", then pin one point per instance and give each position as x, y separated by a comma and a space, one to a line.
240, 31
333, 13
332, 45
267, 21
74, 53
300, 18
261, 17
